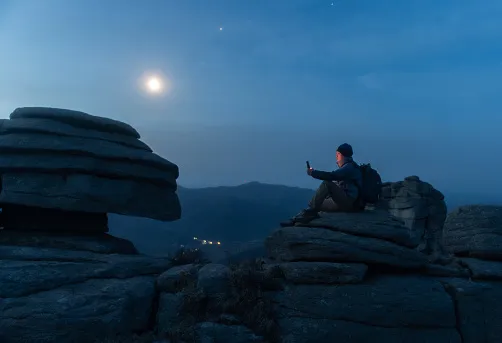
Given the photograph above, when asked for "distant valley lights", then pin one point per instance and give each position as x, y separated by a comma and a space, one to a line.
204, 241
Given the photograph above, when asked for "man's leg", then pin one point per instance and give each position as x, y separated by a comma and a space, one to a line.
329, 205
321, 194
309, 213
328, 197
330, 189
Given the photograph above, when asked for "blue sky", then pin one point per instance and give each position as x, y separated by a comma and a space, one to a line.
413, 85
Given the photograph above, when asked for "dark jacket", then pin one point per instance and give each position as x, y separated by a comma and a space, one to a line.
348, 177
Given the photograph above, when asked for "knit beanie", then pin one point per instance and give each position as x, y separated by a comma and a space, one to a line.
345, 149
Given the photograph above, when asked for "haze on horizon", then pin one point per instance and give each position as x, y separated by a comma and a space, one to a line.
258, 87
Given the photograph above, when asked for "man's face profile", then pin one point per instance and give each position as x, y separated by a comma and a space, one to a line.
338, 157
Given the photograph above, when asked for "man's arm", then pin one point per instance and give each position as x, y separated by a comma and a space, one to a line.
336, 175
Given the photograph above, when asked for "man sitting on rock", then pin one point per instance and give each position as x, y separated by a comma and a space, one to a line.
339, 191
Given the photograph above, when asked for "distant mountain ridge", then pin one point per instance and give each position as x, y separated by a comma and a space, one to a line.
241, 213
225, 213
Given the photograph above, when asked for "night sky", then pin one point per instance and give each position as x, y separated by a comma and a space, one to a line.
253, 88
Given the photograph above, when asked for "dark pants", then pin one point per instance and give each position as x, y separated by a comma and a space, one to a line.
331, 198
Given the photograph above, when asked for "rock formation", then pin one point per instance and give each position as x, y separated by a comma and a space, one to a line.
78, 167
422, 209
342, 278
62, 279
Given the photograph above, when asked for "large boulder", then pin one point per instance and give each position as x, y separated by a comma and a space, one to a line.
474, 231
422, 209
73, 161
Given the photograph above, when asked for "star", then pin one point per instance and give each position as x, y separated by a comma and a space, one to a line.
221, 28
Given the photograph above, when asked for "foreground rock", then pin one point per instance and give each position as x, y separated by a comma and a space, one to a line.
56, 288
72, 161
385, 309
422, 209
475, 231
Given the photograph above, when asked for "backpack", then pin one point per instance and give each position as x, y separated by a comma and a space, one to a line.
370, 191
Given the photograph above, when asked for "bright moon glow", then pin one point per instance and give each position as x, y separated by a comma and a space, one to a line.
154, 85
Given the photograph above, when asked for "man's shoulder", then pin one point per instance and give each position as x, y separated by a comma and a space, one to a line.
354, 167
351, 164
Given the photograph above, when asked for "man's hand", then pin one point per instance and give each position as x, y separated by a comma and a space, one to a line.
309, 171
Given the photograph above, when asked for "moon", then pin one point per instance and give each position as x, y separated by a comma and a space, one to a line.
154, 84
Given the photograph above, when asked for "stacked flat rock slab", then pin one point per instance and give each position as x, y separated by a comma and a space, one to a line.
72, 161
422, 209
370, 237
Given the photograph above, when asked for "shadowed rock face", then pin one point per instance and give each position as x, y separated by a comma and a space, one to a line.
97, 243
72, 161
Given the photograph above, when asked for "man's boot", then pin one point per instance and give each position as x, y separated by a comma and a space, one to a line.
303, 217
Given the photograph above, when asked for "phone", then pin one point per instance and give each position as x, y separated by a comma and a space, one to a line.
308, 165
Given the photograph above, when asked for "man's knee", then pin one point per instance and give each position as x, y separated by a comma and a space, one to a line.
327, 184
330, 186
